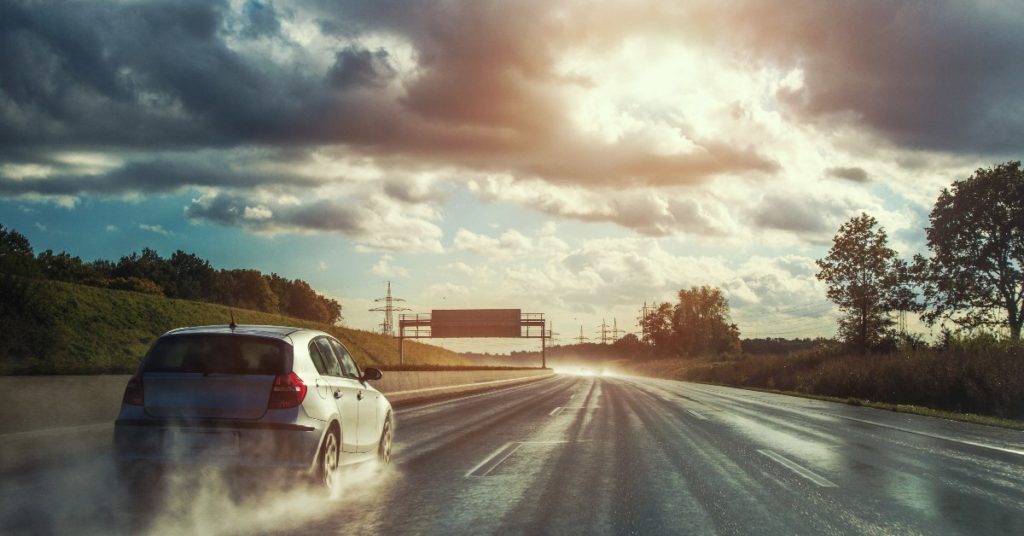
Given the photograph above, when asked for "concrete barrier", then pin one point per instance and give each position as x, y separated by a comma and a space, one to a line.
48, 402
405, 387
45, 418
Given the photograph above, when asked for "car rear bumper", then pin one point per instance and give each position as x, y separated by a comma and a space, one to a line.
218, 442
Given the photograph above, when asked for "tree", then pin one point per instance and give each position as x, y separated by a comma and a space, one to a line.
975, 276
629, 345
866, 280
701, 325
658, 327
191, 277
63, 267
247, 289
298, 299
147, 265
16, 254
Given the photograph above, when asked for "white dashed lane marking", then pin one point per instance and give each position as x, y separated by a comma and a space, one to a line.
800, 470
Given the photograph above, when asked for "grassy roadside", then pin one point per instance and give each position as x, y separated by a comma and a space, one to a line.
52, 327
694, 370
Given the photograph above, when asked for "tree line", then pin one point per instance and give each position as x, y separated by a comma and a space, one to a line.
697, 324
182, 275
972, 278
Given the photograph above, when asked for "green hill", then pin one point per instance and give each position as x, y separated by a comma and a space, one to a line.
50, 327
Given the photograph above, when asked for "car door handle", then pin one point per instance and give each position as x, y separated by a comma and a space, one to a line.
337, 394
359, 396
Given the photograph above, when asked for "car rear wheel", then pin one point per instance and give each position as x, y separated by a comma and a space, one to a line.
327, 466
384, 446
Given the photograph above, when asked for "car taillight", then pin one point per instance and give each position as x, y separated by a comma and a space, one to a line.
288, 391
133, 393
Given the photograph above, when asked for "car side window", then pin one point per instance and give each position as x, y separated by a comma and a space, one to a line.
347, 363
318, 360
330, 360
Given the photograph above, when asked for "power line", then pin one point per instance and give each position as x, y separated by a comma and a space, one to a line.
581, 338
604, 331
645, 311
387, 327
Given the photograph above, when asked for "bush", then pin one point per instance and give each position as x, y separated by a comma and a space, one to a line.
135, 284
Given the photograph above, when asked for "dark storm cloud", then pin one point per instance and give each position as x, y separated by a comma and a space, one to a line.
374, 221
485, 93
940, 75
852, 174
148, 176
261, 20
321, 215
160, 76
152, 75
360, 67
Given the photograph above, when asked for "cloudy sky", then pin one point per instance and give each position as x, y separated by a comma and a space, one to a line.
573, 158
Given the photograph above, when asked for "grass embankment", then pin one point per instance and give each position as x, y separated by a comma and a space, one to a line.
984, 385
51, 327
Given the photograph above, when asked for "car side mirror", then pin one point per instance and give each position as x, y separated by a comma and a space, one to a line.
371, 374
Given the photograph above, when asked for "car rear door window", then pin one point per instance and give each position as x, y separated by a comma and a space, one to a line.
329, 358
347, 363
318, 360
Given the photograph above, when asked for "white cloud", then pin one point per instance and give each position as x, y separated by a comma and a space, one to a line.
374, 221
385, 268
462, 268
510, 243
155, 229
257, 213
611, 277
647, 210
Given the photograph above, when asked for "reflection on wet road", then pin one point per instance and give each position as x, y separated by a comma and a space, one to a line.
605, 455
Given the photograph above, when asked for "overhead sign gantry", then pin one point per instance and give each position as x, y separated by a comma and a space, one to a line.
474, 323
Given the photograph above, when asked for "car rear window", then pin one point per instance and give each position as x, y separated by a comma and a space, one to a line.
219, 354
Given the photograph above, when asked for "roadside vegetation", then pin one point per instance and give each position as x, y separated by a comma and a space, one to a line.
182, 275
970, 286
54, 327
977, 375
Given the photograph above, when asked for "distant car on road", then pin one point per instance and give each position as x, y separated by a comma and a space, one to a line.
252, 396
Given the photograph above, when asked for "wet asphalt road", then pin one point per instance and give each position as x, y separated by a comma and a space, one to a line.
597, 455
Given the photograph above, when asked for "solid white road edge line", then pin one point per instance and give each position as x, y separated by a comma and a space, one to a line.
458, 385
535, 383
800, 470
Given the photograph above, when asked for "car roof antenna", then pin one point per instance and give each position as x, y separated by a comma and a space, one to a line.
232, 325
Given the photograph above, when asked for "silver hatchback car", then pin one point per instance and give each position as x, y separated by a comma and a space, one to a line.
252, 396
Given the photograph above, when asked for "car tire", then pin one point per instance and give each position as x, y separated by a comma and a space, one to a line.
328, 460
384, 445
